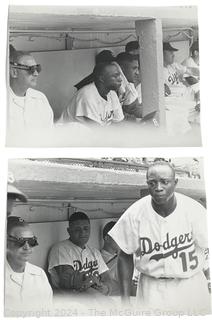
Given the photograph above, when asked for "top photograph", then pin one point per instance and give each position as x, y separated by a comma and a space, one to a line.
103, 77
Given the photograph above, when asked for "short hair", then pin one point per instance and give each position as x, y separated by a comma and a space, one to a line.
104, 56
132, 45
15, 55
161, 163
125, 57
13, 222
100, 67
107, 228
76, 216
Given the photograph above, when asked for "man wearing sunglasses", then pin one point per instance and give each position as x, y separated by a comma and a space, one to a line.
28, 109
167, 234
26, 285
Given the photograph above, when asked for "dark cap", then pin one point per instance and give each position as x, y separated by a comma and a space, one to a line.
14, 191
168, 47
108, 227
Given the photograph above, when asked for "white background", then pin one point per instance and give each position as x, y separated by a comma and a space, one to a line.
205, 20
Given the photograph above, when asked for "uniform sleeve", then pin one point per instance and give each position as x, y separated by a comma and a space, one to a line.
86, 106
58, 256
199, 225
102, 265
131, 94
125, 231
118, 112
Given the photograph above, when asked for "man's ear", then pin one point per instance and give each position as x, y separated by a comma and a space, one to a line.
101, 78
13, 72
176, 182
68, 230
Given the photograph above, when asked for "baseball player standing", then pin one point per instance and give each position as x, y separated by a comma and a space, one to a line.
167, 233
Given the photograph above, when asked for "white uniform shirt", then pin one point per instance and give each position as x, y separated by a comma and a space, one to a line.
173, 74
88, 103
127, 91
164, 247
189, 62
30, 112
27, 290
67, 253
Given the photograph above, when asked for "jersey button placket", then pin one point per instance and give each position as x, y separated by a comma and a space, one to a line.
163, 238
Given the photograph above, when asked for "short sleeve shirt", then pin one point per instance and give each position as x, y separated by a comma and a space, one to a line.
67, 253
88, 103
173, 246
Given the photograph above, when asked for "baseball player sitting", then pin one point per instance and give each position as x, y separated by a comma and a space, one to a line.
128, 95
181, 94
167, 233
97, 103
75, 266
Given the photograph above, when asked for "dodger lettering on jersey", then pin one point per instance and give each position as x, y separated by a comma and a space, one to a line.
173, 78
175, 247
108, 117
90, 266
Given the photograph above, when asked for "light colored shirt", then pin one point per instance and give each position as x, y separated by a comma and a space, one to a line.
88, 103
111, 261
173, 246
67, 253
127, 91
28, 290
29, 113
173, 75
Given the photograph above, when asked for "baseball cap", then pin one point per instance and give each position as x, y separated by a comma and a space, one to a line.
168, 47
13, 190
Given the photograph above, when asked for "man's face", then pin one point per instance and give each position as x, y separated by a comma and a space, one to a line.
131, 71
16, 253
111, 77
24, 77
79, 232
168, 57
161, 183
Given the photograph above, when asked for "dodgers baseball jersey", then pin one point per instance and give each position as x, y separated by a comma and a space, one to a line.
88, 103
170, 247
67, 253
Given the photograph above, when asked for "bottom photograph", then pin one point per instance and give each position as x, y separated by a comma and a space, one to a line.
106, 237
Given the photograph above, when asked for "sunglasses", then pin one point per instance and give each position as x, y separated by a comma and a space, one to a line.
20, 242
29, 69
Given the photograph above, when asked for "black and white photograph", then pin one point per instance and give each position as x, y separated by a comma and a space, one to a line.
106, 237
103, 76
